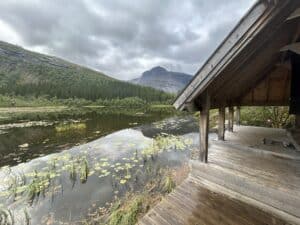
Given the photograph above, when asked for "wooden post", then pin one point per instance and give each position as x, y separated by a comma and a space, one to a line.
295, 80
238, 115
230, 119
221, 123
297, 117
204, 128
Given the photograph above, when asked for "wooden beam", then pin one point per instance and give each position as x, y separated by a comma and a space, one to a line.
295, 81
294, 15
204, 128
221, 124
230, 119
238, 115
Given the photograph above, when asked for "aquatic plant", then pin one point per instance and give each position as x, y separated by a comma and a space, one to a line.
27, 217
168, 183
16, 184
73, 173
128, 209
164, 142
84, 170
39, 184
13, 186
70, 126
127, 214
6, 217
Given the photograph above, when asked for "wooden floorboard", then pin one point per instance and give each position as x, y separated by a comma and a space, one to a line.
208, 208
194, 203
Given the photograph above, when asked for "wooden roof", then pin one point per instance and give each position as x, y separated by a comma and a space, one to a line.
251, 66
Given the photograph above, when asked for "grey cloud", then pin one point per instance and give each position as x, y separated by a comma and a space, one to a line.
124, 38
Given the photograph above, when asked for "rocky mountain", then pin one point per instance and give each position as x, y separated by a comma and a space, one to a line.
24, 72
162, 79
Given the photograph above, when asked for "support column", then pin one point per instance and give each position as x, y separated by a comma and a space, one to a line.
221, 124
204, 128
230, 119
238, 115
297, 117
295, 91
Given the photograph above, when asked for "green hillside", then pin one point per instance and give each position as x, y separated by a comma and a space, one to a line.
25, 73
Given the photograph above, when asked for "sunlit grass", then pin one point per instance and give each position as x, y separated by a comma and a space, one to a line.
70, 126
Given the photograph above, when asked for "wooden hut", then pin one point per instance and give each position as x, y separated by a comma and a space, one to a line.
258, 64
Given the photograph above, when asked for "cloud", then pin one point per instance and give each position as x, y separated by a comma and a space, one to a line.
122, 38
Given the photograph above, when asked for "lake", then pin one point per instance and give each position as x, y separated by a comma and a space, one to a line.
60, 171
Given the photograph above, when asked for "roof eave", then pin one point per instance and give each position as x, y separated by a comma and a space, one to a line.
201, 77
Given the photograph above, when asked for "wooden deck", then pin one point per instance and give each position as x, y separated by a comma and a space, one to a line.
245, 182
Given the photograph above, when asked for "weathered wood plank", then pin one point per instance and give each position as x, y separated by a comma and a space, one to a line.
230, 118
238, 115
221, 124
204, 128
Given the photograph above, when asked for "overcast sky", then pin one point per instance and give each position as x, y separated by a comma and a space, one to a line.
122, 38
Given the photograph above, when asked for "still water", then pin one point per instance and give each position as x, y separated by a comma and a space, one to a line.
60, 171
22, 140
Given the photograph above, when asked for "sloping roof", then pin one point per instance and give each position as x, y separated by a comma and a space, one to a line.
247, 57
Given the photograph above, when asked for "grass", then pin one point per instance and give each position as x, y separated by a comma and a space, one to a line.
6, 217
127, 214
71, 126
32, 109
84, 170
127, 210
161, 106
168, 183
164, 143
38, 185
27, 217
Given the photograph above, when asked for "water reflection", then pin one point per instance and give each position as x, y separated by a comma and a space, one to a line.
61, 187
64, 132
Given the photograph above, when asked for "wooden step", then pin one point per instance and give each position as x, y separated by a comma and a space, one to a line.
247, 185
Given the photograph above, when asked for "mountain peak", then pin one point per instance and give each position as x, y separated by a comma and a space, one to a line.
158, 69
162, 79
155, 71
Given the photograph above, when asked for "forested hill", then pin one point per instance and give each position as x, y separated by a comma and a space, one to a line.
23, 72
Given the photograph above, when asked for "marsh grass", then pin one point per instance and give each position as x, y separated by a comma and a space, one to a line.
127, 214
38, 185
128, 209
6, 217
164, 142
72, 173
70, 126
168, 183
84, 170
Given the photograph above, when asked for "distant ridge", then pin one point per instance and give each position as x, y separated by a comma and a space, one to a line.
24, 72
162, 79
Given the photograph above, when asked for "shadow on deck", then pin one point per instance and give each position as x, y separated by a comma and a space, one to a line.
251, 178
